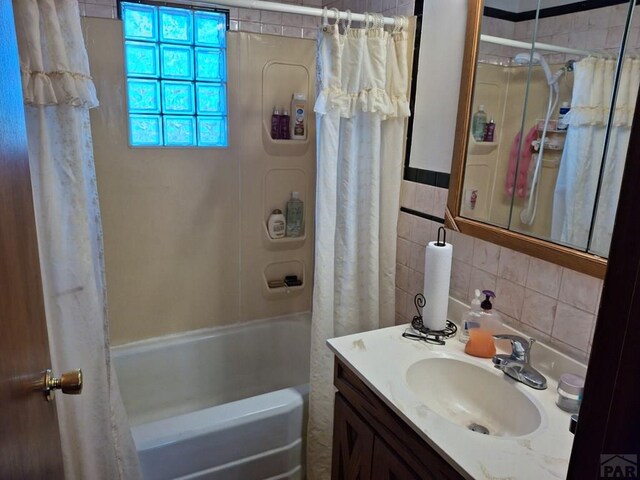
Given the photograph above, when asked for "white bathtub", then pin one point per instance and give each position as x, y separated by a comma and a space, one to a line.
223, 403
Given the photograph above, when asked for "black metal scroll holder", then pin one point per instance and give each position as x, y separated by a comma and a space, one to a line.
434, 337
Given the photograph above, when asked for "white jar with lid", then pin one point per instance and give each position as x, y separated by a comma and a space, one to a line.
570, 389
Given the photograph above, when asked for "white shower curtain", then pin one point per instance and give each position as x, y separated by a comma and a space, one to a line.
360, 113
58, 93
576, 186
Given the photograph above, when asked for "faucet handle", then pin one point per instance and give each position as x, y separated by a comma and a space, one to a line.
520, 346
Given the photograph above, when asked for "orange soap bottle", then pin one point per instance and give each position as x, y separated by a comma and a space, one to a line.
481, 342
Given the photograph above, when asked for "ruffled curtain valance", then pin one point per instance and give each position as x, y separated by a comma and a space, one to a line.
592, 90
53, 59
364, 71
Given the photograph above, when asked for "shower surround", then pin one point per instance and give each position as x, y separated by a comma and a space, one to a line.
186, 244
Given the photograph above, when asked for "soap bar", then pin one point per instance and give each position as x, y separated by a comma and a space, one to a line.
480, 344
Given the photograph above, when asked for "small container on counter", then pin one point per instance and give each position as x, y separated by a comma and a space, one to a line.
570, 389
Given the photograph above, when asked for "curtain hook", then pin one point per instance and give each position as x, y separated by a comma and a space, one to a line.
346, 23
325, 17
337, 12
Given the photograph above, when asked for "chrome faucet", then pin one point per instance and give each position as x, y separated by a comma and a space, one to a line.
516, 365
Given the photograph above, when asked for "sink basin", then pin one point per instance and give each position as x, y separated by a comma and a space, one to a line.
473, 397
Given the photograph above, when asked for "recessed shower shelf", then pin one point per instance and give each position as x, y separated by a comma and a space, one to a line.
284, 291
284, 243
279, 271
481, 148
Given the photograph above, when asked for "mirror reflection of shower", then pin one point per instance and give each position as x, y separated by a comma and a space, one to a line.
528, 214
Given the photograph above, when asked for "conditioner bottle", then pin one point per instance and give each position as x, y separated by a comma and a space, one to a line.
299, 116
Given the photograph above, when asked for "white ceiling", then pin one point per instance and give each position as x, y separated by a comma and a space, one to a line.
518, 6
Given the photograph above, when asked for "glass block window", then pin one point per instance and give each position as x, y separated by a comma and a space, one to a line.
175, 60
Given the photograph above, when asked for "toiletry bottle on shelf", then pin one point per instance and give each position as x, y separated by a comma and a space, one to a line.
299, 112
276, 224
285, 133
562, 113
489, 131
471, 318
295, 213
478, 123
275, 124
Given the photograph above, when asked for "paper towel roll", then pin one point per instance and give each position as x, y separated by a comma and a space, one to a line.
437, 273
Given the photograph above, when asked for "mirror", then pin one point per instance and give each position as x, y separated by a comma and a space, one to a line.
539, 150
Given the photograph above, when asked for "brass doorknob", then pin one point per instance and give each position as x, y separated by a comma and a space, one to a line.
69, 382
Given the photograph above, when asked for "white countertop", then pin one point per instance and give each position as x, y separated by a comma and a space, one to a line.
381, 358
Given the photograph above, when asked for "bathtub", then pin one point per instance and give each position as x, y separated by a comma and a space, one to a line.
223, 403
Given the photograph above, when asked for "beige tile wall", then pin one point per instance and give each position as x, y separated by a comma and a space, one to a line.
551, 303
548, 302
184, 228
240, 19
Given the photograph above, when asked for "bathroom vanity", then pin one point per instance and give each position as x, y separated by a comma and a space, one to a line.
409, 410
370, 441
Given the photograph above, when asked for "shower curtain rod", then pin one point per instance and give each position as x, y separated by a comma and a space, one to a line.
539, 46
282, 8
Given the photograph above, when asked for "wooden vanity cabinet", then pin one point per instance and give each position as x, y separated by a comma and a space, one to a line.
371, 442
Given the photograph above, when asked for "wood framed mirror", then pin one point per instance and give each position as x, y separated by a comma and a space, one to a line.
522, 67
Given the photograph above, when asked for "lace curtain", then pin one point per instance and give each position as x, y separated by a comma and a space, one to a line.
577, 182
361, 111
58, 92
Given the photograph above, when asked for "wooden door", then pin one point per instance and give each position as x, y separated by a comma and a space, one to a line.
609, 422
29, 436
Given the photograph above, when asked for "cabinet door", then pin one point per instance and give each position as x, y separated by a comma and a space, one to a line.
352, 444
387, 465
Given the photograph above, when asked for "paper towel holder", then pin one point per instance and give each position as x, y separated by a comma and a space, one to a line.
443, 242
434, 337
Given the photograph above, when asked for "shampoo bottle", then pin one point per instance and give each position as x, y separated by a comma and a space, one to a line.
478, 124
295, 212
275, 124
276, 224
284, 125
562, 113
490, 131
471, 318
299, 112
